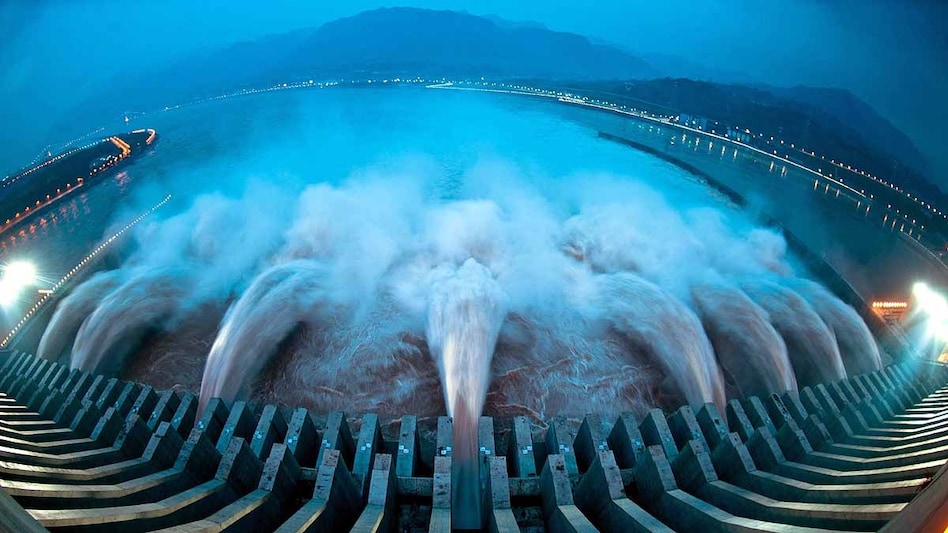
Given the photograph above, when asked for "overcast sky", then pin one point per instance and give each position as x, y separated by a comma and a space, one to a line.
891, 53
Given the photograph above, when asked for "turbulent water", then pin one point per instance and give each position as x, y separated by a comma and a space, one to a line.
653, 319
57, 340
811, 344
465, 313
748, 347
516, 265
274, 304
123, 317
856, 346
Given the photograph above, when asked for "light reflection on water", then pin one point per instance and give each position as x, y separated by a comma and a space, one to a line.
861, 243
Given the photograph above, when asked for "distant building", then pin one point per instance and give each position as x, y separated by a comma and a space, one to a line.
693, 121
743, 136
892, 312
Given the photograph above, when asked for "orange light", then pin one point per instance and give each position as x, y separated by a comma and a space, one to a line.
889, 305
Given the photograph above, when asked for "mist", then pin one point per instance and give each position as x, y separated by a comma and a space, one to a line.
385, 247
495, 284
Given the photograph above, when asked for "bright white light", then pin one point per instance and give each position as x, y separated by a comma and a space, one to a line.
20, 273
8, 294
16, 276
935, 307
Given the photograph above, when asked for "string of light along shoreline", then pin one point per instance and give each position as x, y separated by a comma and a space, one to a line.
77, 269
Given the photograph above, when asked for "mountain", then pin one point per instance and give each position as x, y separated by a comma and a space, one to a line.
829, 121
504, 23
671, 66
393, 42
396, 39
846, 107
408, 42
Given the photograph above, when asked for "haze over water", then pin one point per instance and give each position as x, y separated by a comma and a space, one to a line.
494, 175
417, 251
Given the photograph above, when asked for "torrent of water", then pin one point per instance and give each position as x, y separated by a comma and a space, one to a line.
595, 295
274, 304
811, 345
654, 319
465, 313
858, 349
123, 317
746, 345
61, 331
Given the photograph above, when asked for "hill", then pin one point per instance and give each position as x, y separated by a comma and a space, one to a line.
829, 121
409, 42
393, 42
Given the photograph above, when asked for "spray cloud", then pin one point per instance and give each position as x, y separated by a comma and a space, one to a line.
604, 284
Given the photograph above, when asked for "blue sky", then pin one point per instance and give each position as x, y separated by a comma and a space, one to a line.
893, 54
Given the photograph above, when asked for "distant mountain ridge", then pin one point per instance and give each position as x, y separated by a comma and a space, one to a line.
829, 121
409, 42
849, 109
403, 42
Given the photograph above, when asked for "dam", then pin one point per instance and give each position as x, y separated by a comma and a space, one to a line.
543, 339
81, 452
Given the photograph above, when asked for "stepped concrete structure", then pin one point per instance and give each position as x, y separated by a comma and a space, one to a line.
81, 452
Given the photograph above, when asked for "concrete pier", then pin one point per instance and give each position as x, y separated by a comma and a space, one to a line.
80, 452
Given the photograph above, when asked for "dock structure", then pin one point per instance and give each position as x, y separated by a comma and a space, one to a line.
79, 452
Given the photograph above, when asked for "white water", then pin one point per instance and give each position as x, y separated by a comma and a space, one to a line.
71, 312
857, 348
277, 301
650, 317
123, 317
465, 313
811, 345
746, 345
392, 205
